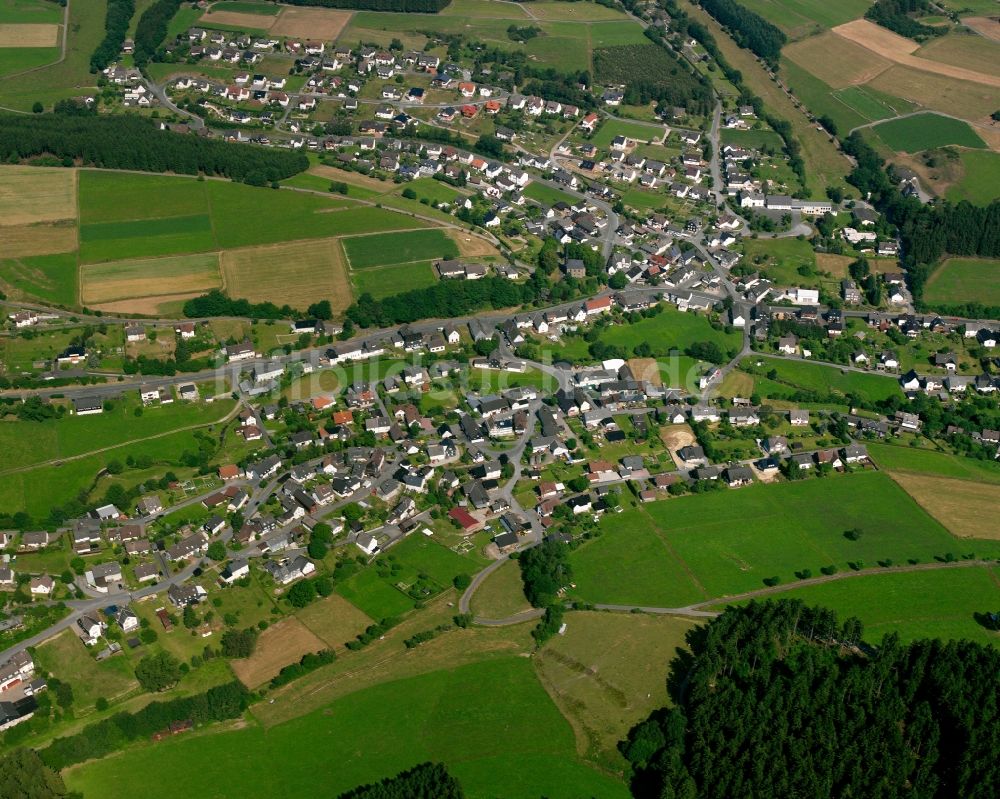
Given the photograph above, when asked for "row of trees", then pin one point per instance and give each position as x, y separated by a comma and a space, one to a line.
132, 142
416, 6
748, 29
116, 24
895, 15
227, 701
780, 699
216, 303
545, 571
151, 29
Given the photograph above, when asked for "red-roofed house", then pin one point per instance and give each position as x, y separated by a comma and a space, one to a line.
468, 522
589, 122
229, 471
469, 111
600, 305
343, 417
320, 403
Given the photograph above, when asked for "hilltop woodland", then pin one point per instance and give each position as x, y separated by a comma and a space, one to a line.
426, 781
778, 699
927, 232
78, 136
749, 30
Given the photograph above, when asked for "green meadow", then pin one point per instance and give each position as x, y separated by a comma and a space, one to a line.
792, 376
960, 280
52, 278
395, 279
940, 464
927, 131
491, 723
980, 182
727, 542
398, 248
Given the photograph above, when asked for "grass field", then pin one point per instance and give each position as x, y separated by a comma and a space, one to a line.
938, 92
968, 50
502, 594
398, 248
922, 461
800, 18
52, 278
836, 61
606, 674
155, 277
299, 272
66, 658
29, 11
334, 620
825, 165
394, 279
547, 195
930, 604
633, 130
794, 375
925, 132
443, 716
67, 78
980, 181
781, 259
677, 551
758, 139
965, 280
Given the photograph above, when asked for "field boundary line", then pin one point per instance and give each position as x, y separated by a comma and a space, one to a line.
661, 535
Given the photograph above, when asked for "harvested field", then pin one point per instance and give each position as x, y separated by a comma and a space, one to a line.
298, 273
836, 265
29, 35
149, 277
238, 19
646, 369
335, 620
163, 305
40, 239
901, 51
313, 23
836, 61
967, 509
470, 245
938, 92
984, 26
965, 50
674, 437
279, 645
36, 194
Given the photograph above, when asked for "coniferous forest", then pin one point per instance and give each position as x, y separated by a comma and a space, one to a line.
130, 142
748, 29
782, 700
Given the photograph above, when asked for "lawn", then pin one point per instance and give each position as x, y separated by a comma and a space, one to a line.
758, 139
927, 604
547, 195
981, 179
18, 59
796, 375
633, 130
927, 131
670, 329
443, 716
67, 658
385, 281
960, 280
373, 595
27, 12
52, 278
398, 248
501, 594
673, 552
781, 259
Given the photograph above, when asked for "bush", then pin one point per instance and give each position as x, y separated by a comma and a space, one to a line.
158, 672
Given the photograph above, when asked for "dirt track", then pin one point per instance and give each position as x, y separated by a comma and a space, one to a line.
984, 26
900, 50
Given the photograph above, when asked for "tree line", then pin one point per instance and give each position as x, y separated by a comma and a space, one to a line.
151, 29
116, 23
132, 142
545, 571
227, 701
216, 303
927, 232
781, 699
424, 781
416, 6
895, 15
749, 30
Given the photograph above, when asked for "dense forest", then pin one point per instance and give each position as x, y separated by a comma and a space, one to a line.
23, 775
927, 232
748, 29
779, 699
653, 74
215, 303
426, 781
131, 142
417, 6
151, 29
115, 27
895, 15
